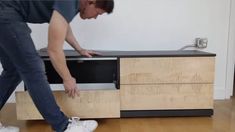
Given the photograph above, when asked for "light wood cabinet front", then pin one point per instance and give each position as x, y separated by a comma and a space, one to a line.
166, 83
90, 104
166, 97
166, 70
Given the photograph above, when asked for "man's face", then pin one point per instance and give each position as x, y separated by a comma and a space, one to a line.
90, 11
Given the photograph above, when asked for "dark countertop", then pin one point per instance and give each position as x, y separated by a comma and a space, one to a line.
163, 53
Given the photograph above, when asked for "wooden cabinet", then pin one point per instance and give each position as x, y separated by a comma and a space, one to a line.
148, 83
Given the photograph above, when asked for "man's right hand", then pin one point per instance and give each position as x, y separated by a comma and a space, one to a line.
70, 87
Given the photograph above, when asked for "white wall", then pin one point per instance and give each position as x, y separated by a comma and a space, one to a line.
156, 25
231, 52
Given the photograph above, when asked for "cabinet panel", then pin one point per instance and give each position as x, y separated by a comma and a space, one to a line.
166, 97
90, 104
166, 70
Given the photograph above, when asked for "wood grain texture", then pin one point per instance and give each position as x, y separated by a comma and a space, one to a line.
222, 121
166, 97
167, 70
90, 104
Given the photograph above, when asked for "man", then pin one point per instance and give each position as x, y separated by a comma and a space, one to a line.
20, 60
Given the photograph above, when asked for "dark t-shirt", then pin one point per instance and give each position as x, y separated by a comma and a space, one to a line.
40, 11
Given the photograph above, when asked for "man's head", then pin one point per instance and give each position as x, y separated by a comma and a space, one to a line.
92, 8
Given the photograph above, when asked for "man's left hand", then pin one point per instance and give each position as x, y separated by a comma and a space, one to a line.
88, 53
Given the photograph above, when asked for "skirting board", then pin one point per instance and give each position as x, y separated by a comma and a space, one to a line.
219, 93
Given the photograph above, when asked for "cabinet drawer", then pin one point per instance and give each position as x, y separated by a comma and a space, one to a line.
167, 70
85, 71
90, 104
166, 97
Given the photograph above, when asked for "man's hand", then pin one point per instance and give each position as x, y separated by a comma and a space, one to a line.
71, 87
88, 53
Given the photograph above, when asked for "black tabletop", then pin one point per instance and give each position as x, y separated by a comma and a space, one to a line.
109, 53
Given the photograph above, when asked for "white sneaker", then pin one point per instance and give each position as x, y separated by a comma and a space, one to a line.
75, 125
8, 128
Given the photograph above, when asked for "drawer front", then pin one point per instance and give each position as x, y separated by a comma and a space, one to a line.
167, 70
166, 97
90, 104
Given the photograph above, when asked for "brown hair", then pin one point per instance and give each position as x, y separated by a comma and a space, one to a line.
106, 5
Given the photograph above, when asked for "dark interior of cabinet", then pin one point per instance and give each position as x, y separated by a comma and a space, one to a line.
87, 71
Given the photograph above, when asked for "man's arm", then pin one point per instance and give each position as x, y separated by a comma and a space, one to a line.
56, 36
72, 40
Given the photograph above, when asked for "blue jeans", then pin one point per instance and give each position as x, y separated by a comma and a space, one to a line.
21, 62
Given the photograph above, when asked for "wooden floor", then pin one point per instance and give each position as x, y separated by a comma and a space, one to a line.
222, 121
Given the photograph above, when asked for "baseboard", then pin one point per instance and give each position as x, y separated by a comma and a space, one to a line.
219, 93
